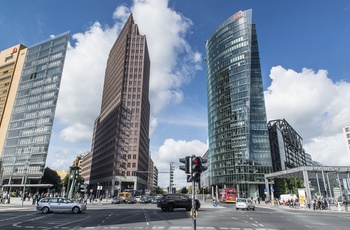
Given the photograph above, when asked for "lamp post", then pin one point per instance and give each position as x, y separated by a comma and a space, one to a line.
24, 182
74, 173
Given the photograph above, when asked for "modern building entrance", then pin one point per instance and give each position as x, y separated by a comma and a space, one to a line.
321, 175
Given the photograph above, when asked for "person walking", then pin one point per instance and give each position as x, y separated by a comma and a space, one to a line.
345, 202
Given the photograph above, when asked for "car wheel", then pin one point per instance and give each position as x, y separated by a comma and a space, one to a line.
45, 210
253, 209
164, 209
170, 208
236, 208
76, 210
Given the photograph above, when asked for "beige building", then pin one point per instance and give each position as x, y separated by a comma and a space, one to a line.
85, 167
11, 64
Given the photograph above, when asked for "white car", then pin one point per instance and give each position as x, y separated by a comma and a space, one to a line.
244, 203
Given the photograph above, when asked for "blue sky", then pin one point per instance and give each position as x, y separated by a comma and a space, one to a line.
304, 52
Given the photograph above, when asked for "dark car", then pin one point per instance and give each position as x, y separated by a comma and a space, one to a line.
169, 202
116, 200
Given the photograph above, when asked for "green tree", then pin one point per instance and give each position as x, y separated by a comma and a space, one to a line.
204, 190
51, 177
159, 190
287, 186
183, 190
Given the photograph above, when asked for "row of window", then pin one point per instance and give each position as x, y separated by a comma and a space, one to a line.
43, 139
26, 150
126, 140
30, 107
133, 96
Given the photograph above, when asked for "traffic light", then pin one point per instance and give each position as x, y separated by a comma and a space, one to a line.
196, 168
185, 167
204, 160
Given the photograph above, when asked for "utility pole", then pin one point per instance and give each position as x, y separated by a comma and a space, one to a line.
171, 181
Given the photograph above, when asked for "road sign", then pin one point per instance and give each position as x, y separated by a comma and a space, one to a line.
272, 190
215, 204
265, 190
189, 178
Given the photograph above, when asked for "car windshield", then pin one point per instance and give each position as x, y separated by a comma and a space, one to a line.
241, 200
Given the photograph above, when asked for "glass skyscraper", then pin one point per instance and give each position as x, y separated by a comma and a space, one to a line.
26, 144
239, 152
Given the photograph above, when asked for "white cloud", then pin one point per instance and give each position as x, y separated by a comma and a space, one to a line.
171, 151
173, 62
315, 107
81, 87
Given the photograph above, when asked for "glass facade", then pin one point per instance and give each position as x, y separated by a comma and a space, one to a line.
286, 146
28, 135
239, 151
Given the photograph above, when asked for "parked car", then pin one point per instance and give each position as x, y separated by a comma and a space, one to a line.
145, 199
243, 203
155, 200
169, 202
116, 200
59, 204
131, 200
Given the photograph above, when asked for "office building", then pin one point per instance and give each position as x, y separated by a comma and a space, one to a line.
28, 115
85, 167
120, 145
346, 131
239, 151
286, 146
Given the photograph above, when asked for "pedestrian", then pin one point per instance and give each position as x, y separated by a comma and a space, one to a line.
337, 204
100, 198
34, 199
345, 202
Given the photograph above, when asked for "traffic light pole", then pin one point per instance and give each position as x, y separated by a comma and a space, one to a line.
193, 201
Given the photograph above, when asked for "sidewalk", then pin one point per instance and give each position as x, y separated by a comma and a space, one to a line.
302, 208
16, 203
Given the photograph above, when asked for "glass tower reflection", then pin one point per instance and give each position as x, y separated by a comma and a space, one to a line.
239, 149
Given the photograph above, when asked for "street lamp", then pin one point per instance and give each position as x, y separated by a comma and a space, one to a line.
25, 182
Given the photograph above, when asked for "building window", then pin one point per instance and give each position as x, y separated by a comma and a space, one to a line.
134, 156
134, 165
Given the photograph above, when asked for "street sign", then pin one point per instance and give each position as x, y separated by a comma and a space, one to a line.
265, 190
189, 178
272, 190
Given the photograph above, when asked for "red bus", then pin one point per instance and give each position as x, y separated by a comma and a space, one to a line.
228, 195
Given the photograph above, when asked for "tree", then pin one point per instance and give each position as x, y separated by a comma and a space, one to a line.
204, 190
51, 177
287, 185
159, 190
184, 190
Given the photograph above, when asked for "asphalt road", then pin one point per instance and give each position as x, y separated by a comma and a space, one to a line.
148, 216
